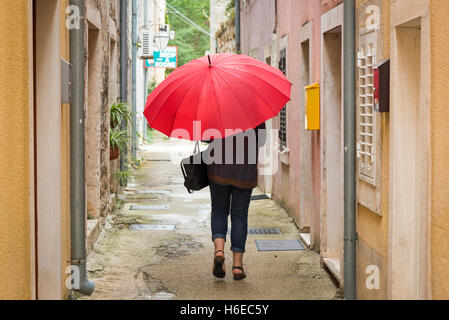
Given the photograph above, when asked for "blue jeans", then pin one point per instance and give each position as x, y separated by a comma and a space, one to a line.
225, 197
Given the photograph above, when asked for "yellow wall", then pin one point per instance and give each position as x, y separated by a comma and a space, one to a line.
16, 213
371, 227
15, 224
373, 230
439, 10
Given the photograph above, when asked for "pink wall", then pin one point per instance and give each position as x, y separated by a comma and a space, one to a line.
257, 24
257, 21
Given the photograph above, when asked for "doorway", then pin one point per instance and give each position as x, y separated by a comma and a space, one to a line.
332, 152
409, 176
48, 150
305, 150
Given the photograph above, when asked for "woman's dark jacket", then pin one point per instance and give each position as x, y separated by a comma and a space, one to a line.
237, 164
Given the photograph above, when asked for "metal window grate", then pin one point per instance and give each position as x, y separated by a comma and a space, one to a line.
366, 138
283, 113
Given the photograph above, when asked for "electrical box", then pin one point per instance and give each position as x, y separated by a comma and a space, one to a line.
66, 82
382, 87
312, 112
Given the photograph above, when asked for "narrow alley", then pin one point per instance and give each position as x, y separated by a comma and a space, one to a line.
127, 262
336, 175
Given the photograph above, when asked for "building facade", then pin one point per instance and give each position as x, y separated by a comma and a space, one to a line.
35, 218
101, 91
217, 17
402, 203
402, 218
35, 245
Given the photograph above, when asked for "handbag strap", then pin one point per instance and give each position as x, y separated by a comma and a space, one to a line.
196, 150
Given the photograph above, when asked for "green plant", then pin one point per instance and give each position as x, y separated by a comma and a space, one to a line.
122, 176
149, 135
119, 139
152, 86
136, 164
119, 113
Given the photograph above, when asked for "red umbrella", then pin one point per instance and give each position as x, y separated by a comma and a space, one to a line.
221, 91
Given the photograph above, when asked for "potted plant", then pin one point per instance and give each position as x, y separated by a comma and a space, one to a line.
118, 142
119, 113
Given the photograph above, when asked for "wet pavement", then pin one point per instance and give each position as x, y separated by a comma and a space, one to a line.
173, 260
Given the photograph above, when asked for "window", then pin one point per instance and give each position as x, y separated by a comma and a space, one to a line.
367, 135
283, 113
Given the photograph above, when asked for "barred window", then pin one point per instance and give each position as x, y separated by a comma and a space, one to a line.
366, 138
283, 113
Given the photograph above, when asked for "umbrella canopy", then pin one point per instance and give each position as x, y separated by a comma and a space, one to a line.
217, 93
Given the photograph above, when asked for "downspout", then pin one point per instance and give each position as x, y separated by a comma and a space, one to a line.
123, 67
350, 232
145, 73
77, 178
134, 80
237, 26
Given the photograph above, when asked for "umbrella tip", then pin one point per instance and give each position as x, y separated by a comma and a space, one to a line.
210, 63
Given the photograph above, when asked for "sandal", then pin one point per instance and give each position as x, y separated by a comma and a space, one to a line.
239, 276
218, 265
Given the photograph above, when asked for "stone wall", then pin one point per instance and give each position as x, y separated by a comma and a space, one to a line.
217, 17
226, 36
101, 88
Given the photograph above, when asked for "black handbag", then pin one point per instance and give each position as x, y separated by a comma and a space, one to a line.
194, 171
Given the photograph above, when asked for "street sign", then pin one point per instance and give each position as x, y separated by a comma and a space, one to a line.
167, 58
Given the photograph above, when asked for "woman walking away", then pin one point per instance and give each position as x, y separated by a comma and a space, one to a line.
232, 173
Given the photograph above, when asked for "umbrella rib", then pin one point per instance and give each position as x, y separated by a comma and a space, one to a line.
244, 71
218, 103
182, 100
263, 99
233, 93
196, 111
171, 94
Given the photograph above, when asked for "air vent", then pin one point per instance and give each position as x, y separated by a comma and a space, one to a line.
147, 50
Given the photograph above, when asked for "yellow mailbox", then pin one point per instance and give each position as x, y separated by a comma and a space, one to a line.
312, 114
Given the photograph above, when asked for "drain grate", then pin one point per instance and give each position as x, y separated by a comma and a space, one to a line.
263, 231
152, 192
259, 197
138, 207
152, 227
278, 245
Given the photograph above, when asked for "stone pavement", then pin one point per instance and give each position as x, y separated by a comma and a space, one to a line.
177, 264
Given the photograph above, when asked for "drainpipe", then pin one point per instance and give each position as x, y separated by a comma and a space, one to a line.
123, 67
237, 26
145, 73
350, 232
134, 80
77, 178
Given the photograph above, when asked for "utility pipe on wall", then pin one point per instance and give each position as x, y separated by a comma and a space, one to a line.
134, 81
123, 67
77, 158
350, 232
145, 73
237, 26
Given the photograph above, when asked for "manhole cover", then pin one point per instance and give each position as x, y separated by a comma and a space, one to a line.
152, 192
263, 231
152, 227
138, 207
278, 245
260, 197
